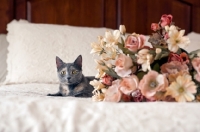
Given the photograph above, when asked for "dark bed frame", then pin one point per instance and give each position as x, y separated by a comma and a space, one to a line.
136, 15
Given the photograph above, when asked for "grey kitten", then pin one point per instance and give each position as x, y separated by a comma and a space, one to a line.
72, 81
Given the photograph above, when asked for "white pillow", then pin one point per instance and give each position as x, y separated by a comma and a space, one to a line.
34, 47
194, 42
3, 55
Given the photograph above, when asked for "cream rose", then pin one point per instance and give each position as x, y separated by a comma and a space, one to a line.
113, 94
129, 84
145, 59
123, 65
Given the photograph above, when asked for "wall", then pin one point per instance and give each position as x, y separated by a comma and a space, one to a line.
136, 15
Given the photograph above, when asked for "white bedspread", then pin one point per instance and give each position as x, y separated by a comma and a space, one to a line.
26, 108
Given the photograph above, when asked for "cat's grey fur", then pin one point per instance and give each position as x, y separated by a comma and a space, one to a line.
73, 82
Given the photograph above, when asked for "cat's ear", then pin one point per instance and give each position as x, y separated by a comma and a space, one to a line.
78, 61
59, 62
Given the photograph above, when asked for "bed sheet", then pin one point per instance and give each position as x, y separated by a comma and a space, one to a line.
25, 107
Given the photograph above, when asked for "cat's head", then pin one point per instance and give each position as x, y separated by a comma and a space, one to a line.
69, 73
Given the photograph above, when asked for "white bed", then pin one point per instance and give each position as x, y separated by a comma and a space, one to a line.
24, 106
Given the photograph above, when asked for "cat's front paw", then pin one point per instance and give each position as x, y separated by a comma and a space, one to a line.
56, 94
49, 94
83, 95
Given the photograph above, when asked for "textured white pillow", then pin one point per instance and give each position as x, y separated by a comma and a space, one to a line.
3, 54
34, 47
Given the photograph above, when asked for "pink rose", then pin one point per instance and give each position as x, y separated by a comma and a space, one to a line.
107, 80
197, 77
196, 66
165, 20
134, 42
184, 57
174, 67
174, 57
166, 36
129, 84
150, 100
152, 83
137, 96
113, 94
169, 98
126, 98
121, 90
123, 65
154, 26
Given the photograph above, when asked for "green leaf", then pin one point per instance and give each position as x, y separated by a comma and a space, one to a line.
120, 45
179, 51
158, 63
112, 73
194, 53
158, 46
134, 58
125, 50
164, 55
156, 67
140, 74
122, 41
152, 52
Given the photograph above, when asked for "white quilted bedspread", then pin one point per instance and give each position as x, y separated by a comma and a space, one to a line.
26, 108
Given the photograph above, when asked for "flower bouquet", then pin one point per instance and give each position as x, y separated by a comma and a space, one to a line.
130, 71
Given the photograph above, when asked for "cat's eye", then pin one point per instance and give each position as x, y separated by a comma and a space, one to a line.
63, 72
74, 72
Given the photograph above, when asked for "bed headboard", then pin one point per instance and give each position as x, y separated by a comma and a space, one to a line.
136, 15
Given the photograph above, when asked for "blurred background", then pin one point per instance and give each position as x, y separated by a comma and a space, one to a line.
136, 15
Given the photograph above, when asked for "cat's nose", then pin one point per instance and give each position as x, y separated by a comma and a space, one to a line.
68, 78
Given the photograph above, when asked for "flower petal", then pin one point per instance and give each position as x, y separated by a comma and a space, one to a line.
181, 33
189, 96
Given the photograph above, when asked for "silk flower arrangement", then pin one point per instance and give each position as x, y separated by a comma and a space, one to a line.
130, 71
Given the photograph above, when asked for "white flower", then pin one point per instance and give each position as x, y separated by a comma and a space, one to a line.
97, 47
122, 29
109, 53
171, 28
97, 84
176, 39
112, 38
103, 90
100, 73
158, 50
105, 51
101, 68
182, 89
145, 59
98, 96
